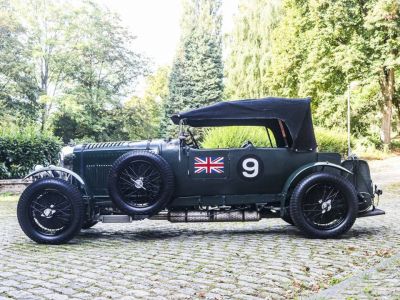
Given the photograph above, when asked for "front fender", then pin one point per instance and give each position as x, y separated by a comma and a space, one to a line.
57, 169
306, 167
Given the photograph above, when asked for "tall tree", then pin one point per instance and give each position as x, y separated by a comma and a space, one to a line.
197, 72
248, 63
66, 62
320, 47
155, 96
142, 115
45, 24
102, 67
383, 53
18, 90
317, 48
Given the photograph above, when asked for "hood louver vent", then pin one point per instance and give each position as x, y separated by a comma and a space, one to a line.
106, 145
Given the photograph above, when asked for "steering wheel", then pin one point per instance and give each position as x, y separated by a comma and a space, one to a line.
247, 144
193, 139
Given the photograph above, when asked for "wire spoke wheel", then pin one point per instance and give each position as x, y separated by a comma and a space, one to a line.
324, 206
50, 212
140, 183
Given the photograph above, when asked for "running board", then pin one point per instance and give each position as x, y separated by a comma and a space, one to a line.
205, 216
372, 213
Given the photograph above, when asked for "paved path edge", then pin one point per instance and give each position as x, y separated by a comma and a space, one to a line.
332, 292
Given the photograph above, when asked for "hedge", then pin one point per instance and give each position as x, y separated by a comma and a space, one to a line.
331, 140
23, 148
233, 137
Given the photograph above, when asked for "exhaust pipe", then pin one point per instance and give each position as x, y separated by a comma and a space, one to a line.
208, 216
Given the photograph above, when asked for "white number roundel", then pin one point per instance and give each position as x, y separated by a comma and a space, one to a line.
251, 167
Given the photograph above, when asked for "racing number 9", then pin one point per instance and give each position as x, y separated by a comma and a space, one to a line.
250, 167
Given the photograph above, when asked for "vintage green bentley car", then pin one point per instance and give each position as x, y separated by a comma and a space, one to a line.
178, 181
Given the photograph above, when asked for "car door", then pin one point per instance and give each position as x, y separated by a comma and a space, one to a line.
264, 170
240, 171
208, 172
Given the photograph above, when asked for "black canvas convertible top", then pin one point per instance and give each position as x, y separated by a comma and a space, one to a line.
295, 113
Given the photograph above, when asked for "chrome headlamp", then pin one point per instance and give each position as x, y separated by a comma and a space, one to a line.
66, 157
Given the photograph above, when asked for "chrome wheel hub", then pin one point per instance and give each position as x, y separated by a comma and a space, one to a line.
325, 205
139, 183
48, 212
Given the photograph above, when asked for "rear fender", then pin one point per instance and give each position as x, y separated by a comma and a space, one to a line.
302, 169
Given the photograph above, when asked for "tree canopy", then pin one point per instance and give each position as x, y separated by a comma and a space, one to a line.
68, 66
248, 64
196, 77
318, 49
75, 66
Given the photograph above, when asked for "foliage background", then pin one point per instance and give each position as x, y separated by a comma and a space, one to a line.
196, 77
68, 69
21, 149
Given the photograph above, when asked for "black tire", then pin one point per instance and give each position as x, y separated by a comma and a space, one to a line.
50, 211
288, 219
87, 224
324, 205
141, 183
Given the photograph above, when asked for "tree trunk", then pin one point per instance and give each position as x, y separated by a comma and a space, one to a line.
398, 121
44, 76
387, 87
396, 103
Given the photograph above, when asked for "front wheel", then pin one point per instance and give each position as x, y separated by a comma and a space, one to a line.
88, 224
50, 211
324, 205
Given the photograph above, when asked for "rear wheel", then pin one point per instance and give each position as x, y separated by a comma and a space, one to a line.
324, 205
50, 211
288, 219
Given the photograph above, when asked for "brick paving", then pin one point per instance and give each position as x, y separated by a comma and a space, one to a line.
159, 260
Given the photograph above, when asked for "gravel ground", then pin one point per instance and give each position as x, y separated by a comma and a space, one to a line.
159, 260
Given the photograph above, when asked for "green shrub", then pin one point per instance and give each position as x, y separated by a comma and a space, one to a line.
235, 136
395, 145
331, 140
23, 148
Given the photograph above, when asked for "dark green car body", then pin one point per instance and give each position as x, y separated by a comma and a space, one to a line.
93, 163
178, 181
279, 167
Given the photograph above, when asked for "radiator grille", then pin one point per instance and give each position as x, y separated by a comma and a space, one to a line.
96, 176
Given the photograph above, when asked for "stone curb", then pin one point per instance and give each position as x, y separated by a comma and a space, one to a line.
332, 292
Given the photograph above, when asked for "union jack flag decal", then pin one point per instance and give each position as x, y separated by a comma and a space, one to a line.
209, 164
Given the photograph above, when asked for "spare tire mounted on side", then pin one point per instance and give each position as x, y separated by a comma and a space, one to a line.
141, 183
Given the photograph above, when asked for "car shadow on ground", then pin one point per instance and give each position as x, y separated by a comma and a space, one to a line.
284, 231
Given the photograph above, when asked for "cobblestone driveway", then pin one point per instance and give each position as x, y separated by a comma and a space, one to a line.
160, 260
